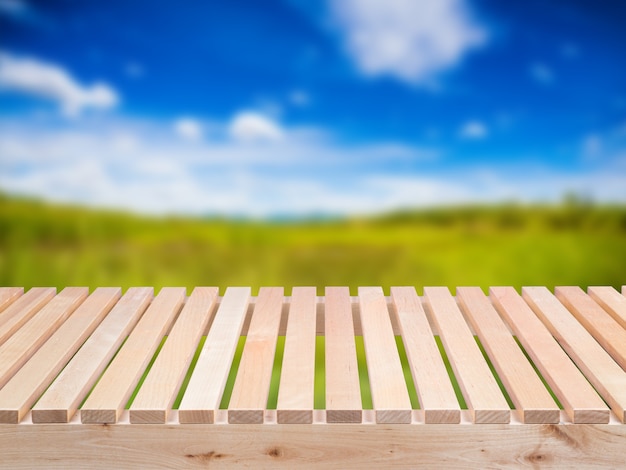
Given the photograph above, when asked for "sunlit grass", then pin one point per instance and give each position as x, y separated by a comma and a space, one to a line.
43, 245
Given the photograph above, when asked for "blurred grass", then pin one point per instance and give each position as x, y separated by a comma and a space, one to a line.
574, 243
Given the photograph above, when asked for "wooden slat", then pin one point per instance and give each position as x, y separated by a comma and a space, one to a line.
60, 402
603, 327
26, 386
600, 369
481, 392
23, 310
112, 392
434, 389
23, 344
249, 398
205, 388
387, 384
343, 390
580, 401
611, 301
296, 391
533, 403
159, 390
8, 295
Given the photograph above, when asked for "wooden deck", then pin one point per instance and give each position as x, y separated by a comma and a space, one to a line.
507, 379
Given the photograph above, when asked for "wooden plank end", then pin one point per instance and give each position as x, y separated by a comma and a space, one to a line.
393, 416
344, 416
50, 416
295, 416
541, 416
245, 416
442, 416
99, 416
492, 416
590, 416
9, 417
148, 416
196, 416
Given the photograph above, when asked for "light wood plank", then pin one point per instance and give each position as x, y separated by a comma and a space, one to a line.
481, 392
390, 395
600, 369
26, 386
158, 392
22, 345
205, 388
112, 392
611, 301
249, 398
580, 401
8, 295
60, 402
293, 446
533, 403
603, 327
296, 391
434, 389
343, 390
23, 310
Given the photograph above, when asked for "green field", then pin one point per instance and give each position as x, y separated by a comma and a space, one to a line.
570, 244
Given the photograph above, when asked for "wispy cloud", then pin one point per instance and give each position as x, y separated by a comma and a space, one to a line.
16, 9
188, 128
250, 126
473, 130
412, 41
541, 73
46, 80
142, 165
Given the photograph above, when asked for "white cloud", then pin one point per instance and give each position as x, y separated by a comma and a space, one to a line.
474, 130
410, 40
142, 165
15, 8
46, 80
188, 128
541, 73
134, 70
249, 126
592, 147
299, 98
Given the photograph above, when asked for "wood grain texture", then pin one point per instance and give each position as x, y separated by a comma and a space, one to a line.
111, 393
59, 403
343, 390
248, 400
204, 392
611, 301
533, 403
595, 363
434, 389
483, 396
291, 446
602, 326
297, 380
158, 392
23, 310
389, 390
26, 386
22, 345
580, 401
8, 295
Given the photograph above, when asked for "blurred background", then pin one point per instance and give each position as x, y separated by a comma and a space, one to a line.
330, 142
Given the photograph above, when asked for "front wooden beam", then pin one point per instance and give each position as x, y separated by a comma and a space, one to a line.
311, 446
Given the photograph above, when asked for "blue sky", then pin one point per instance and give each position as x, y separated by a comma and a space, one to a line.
293, 107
